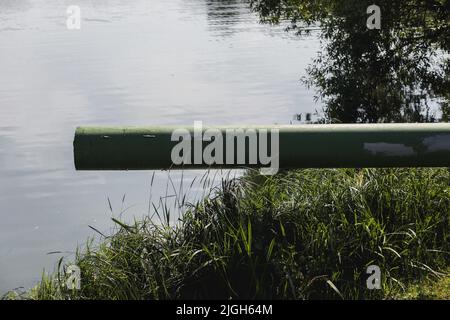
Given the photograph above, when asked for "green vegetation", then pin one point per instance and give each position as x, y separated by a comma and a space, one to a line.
428, 290
388, 75
305, 234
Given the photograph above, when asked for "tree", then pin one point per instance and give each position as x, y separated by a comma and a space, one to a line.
389, 74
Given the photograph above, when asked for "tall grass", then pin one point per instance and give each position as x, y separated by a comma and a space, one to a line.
304, 234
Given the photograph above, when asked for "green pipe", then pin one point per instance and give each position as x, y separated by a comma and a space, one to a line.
299, 146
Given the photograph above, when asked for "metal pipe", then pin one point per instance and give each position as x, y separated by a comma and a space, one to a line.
299, 146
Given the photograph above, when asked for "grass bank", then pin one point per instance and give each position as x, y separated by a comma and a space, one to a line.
303, 234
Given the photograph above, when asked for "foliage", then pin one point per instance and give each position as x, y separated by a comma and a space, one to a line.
304, 234
391, 74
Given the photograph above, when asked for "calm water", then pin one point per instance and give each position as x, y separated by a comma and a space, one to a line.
139, 62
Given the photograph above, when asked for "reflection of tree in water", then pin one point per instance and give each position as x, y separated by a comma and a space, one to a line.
365, 75
222, 15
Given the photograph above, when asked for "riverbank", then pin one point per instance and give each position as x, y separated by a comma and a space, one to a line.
303, 234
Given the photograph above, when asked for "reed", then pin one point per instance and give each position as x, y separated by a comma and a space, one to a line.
302, 234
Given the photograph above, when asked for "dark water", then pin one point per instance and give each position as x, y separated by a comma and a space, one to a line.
140, 62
